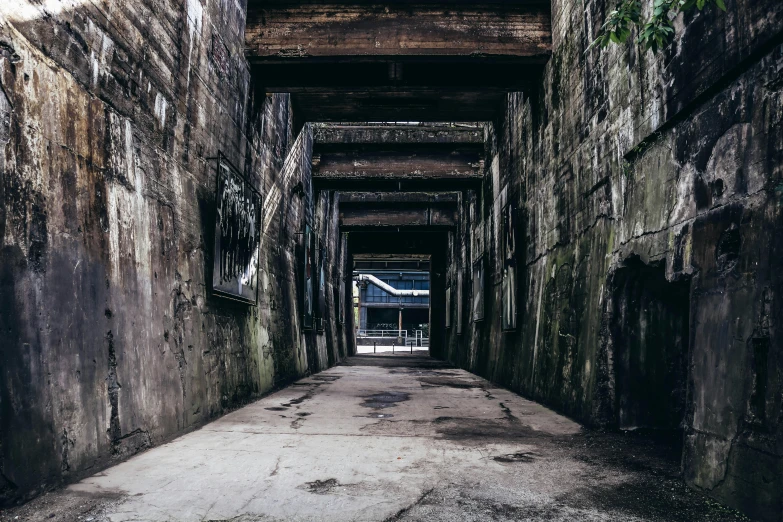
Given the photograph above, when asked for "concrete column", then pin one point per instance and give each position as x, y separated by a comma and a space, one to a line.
438, 297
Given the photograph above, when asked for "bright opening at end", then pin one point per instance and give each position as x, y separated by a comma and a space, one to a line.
392, 304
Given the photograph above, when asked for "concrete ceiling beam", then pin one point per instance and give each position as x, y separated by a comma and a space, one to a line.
297, 31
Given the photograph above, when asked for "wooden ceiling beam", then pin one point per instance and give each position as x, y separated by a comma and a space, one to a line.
398, 165
305, 30
334, 135
398, 216
376, 198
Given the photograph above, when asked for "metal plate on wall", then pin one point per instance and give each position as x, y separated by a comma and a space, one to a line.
237, 235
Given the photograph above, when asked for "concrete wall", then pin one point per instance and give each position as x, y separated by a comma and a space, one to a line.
672, 160
111, 115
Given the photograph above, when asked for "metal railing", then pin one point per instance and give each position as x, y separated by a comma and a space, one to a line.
417, 338
383, 334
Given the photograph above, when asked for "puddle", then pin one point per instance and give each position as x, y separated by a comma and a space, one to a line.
385, 400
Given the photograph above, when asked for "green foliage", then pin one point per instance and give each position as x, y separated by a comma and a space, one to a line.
627, 169
655, 32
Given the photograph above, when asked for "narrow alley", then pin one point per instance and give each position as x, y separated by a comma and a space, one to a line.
432, 260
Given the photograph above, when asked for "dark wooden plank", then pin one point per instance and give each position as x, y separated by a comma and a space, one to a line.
355, 164
419, 135
354, 217
329, 30
448, 184
365, 198
418, 216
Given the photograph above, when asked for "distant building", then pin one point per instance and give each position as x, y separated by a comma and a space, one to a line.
379, 310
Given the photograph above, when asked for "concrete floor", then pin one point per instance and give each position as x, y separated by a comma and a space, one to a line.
387, 438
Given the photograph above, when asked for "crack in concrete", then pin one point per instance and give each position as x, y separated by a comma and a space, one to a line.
406, 509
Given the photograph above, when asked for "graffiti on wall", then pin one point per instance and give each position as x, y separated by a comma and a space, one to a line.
308, 271
342, 289
459, 305
479, 271
509, 279
237, 235
321, 286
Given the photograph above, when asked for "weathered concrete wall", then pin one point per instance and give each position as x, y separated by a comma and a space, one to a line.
625, 158
111, 115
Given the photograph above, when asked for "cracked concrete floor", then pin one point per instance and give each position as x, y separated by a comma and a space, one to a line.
387, 438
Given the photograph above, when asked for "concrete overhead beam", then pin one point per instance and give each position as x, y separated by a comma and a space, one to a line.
392, 258
333, 134
401, 198
398, 164
328, 30
399, 61
427, 216
432, 184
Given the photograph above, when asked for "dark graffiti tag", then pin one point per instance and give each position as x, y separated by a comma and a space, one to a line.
509, 280
479, 275
237, 235
308, 270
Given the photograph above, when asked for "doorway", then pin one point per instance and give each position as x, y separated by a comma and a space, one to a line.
651, 332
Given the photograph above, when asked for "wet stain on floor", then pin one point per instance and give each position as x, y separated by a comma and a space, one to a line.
299, 400
522, 456
322, 487
385, 400
452, 382
468, 430
326, 378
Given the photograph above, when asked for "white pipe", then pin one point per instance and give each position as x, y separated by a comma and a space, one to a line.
390, 289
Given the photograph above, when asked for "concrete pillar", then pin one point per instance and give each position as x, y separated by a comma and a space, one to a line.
438, 297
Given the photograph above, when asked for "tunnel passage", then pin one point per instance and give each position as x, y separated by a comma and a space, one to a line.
138, 138
650, 332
